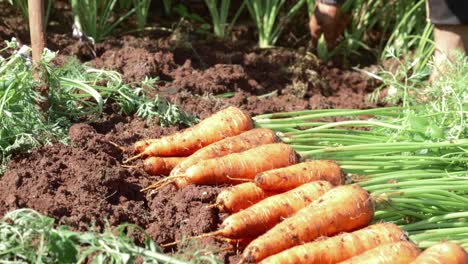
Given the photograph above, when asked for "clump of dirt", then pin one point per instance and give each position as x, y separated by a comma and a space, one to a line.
84, 183
78, 184
185, 210
205, 76
137, 63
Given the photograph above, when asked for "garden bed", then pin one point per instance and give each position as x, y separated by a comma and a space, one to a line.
84, 183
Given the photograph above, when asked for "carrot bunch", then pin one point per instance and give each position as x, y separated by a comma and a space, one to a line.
281, 210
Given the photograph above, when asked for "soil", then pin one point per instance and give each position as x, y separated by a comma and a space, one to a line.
84, 183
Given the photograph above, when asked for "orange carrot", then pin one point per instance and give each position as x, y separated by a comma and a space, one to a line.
342, 209
287, 178
235, 144
240, 196
230, 168
161, 166
225, 123
263, 215
340, 247
445, 252
402, 252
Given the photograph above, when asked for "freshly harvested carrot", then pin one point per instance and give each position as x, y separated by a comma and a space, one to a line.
233, 167
265, 214
287, 178
161, 165
225, 123
240, 196
341, 247
247, 140
342, 209
441, 253
402, 252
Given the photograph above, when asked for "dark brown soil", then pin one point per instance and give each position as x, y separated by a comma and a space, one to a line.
84, 183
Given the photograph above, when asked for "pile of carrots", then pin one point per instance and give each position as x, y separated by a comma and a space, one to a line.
282, 210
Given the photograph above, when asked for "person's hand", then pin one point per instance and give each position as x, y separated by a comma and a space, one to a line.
330, 21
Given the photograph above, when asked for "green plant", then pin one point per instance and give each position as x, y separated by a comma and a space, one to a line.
29, 237
96, 18
401, 26
75, 91
412, 158
167, 7
142, 8
219, 16
268, 19
124, 5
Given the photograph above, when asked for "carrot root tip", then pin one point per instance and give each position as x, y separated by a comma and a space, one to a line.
133, 158
123, 149
129, 166
212, 206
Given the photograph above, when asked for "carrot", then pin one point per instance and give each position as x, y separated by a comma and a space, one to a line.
265, 214
401, 252
342, 209
230, 168
225, 123
445, 252
240, 196
161, 166
340, 247
235, 144
287, 178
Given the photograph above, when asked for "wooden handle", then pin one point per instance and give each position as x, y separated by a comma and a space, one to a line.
36, 28
37, 33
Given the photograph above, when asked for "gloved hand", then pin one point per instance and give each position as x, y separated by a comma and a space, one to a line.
330, 21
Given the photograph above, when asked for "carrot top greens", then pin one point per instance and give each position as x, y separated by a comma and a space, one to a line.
29, 237
76, 90
413, 158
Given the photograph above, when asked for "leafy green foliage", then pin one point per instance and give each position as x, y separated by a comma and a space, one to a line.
29, 237
412, 158
167, 7
268, 19
219, 10
142, 8
96, 18
401, 26
76, 91
437, 110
